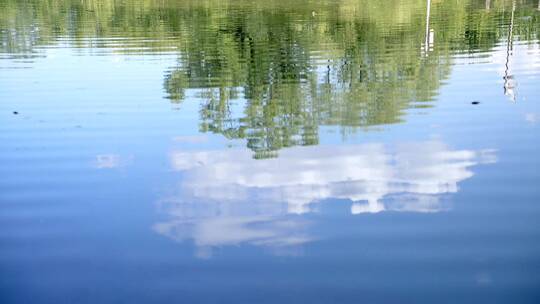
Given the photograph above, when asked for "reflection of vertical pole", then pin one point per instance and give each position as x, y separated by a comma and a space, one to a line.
328, 72
508, 78
488, 4
428, 11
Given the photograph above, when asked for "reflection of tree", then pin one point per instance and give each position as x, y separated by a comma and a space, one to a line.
362, 73
272, 73
30, 23
287, 93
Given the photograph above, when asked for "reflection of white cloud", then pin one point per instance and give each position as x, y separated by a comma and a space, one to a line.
227, 197
196, 139
300, 176
109, 161
215, 231
531, 118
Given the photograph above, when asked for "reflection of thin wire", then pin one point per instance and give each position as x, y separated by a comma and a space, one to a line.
508, 85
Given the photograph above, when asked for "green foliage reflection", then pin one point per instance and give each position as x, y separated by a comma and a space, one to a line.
273, 72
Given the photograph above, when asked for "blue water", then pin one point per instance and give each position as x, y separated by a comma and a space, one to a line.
253, 152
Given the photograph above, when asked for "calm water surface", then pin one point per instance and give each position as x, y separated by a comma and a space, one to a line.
347, 151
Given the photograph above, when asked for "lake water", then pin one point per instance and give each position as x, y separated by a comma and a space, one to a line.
353, 151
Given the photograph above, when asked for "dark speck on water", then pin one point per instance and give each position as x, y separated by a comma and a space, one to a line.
475, 102
15, 112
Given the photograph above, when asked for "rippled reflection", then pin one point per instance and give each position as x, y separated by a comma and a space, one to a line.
390, 146
225, 197
272, 73
274, 79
